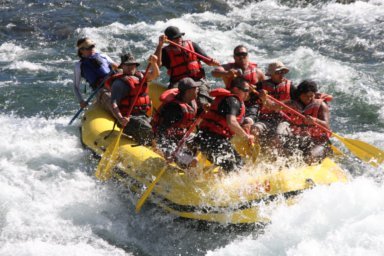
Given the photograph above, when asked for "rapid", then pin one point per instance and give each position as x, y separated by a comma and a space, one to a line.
50, 201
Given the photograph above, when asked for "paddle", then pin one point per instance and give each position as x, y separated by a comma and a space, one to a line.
180, 145
364, 151
88, 100
190, 51
109, 159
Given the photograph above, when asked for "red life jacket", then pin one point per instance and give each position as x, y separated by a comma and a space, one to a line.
281, 92
177, 129
215, 122
250, 74
312, 109
182, 63
143, 103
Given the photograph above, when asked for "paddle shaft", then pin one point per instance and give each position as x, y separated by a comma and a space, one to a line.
292, 110
181, 143
88, 100
190, 51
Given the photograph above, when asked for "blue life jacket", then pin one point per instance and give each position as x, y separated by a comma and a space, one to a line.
94, 68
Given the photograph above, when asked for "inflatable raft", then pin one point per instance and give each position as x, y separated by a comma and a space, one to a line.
203, 193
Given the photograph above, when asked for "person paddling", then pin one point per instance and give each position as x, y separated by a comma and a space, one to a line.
271, 123
94, 67
242, 67
222, 121
174, 117
124, 87
181, 63
304, 135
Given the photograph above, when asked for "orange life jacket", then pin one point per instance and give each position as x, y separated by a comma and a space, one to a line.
177, 129
143, 103
312, 109
215, 122
183, 63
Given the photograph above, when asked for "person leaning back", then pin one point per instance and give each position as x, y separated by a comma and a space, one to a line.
181, 63
93, 66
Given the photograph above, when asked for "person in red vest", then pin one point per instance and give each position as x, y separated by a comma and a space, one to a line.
271, 123
242, 67
181, 63
221, 122
124, 87
174, 117
311, 140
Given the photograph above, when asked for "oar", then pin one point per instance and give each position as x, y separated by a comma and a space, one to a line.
88, 100
190, 51
109, 159
364, 151
180, 145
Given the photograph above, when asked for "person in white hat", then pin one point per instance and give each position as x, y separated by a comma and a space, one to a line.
271, 121
92, 66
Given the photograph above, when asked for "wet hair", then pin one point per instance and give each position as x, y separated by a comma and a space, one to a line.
238, 82
79, 42
306, 86
238, 47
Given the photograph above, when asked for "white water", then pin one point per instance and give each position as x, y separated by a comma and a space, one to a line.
50, 203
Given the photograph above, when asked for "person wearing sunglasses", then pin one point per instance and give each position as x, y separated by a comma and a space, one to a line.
93, 67
242, 67
181, 63
221, 122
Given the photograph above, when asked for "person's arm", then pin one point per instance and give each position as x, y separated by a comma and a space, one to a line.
155, 71
159, 50
260, 75
119, 90
76, 84
225, 72
323, 117
237, 129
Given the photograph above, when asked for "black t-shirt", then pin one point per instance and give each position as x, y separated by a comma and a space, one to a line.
229, 106
166, 62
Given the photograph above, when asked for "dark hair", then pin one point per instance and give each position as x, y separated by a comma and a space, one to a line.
238, 82
238, 47
306, 86
79, 42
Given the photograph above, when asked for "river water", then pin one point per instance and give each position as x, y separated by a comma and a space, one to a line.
50, 202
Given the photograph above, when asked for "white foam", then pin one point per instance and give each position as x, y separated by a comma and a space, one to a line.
10, 52
342, 219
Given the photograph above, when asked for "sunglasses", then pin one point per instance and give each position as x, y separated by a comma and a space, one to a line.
243, 89
242, 54
87, 48
280, 72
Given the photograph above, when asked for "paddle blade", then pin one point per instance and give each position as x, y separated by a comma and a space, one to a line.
364, 151
109, 159
149, 190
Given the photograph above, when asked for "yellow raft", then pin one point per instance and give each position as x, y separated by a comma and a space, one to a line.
204, 193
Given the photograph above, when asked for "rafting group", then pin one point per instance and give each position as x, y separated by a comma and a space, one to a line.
263, 109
